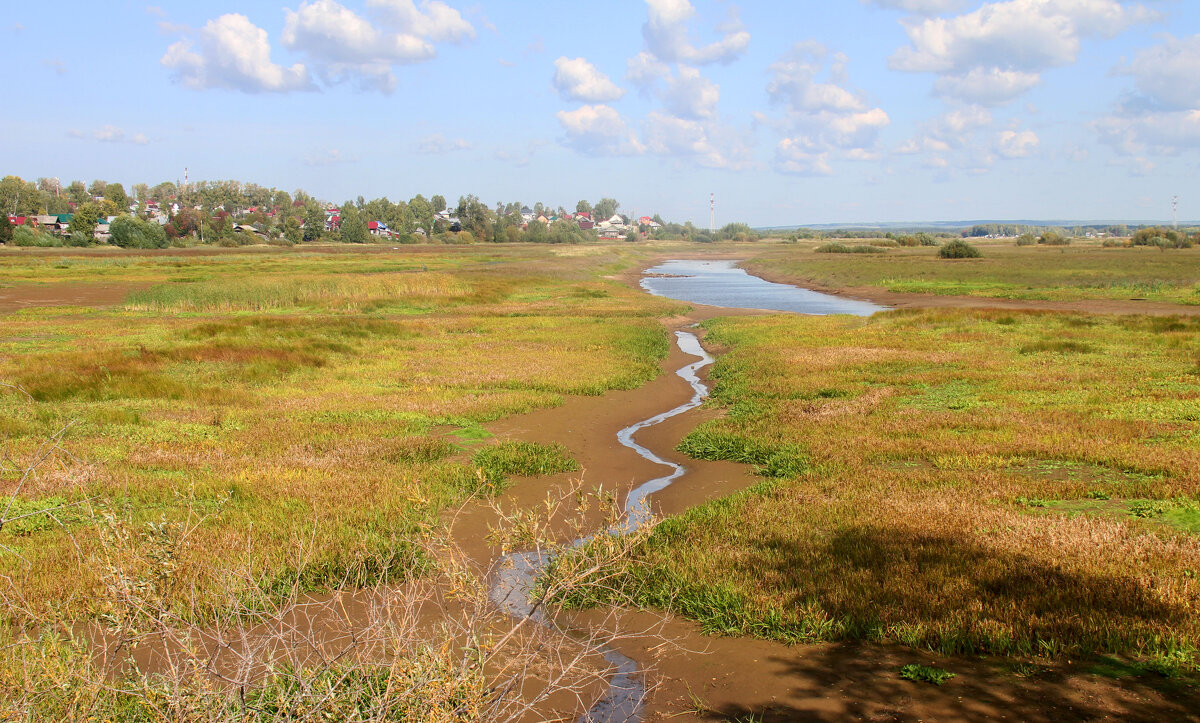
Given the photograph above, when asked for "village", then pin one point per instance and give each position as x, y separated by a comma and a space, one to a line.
614, 227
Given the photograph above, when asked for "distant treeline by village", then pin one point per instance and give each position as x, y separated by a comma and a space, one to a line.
232, 213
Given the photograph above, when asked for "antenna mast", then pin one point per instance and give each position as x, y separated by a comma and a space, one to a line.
712, 212
1175, 210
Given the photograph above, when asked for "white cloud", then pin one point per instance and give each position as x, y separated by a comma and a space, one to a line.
599, 130
801, 156
823, 117
690, 95
434, 20
577, 79
437, 144
233, 53
1017, 144
794, 81
989, 86
709, 144
345, 45
1163, 116
666, 35
1157, 132
999, 51
1167, 73
644, 70
919, 7
958, 135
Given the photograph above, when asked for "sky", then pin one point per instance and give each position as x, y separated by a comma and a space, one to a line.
797, 112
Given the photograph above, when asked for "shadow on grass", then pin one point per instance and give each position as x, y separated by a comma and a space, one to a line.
854, 681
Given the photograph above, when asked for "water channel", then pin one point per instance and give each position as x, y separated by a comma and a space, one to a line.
722, 283
714, 283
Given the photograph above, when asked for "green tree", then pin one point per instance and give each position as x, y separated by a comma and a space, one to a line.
958, 249
133, 233
77, 192
96, 188
292, 231
583, 207
87, 215
314, 223
6, 229
605, 208
354, 228
115, 192
438, 203
475, 217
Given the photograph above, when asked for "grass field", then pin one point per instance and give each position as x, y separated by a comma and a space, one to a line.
962, 481
1083, 270
303, 406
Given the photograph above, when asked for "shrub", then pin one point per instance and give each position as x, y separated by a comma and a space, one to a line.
25, 236
1112, 243
838, 248
133, 233
919, 239
959, 249
79, 239
1026, 239
1053, 238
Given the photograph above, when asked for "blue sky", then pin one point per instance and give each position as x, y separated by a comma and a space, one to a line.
808, 111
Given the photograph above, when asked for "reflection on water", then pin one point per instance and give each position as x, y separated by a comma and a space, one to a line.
721, 283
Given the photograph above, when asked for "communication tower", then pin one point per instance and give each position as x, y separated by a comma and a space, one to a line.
1175, 210
712, 212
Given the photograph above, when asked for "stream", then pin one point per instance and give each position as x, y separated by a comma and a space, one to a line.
516, 574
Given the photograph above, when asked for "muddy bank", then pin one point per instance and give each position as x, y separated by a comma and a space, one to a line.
96, 296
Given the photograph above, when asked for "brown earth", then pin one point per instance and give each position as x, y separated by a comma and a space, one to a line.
709, 678
97, 296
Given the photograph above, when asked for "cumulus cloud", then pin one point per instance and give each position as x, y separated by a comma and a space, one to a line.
1017, 144
709, 144
438, 144
1163, 116
802, 156
919, 7
1167, 73
690, 95
599, 130
233, 53
111, 134
666, 35
577, 79
434, 20
989, 86
644, 70
794, 81
959, 138
345, 45
997, 52
824, 118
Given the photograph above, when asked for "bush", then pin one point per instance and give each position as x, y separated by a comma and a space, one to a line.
1026, 239
79, 239
1053, 238
25, 236
133, 233
959, 250
1112, 243
837, 248
919, 239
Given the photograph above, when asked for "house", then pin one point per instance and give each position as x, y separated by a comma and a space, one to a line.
526, 214
379, 228
586, 224
617, 220
16, 220
584, 214
102, 232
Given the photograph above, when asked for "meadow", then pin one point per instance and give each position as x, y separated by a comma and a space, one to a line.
1082, 271
961, 481
315, 407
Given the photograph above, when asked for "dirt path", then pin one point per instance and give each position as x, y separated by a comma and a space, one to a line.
68, 294
728, 678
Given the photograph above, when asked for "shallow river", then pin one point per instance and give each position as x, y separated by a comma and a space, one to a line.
721, 283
